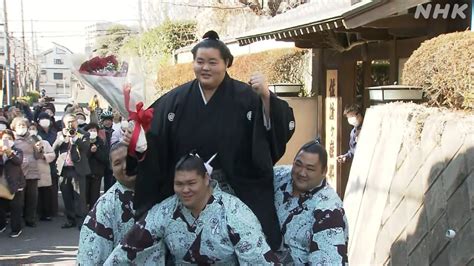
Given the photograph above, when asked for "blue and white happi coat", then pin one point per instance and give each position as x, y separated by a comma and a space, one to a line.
314, 226
105, 225
225, 233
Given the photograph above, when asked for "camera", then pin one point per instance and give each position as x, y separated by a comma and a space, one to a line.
71, 131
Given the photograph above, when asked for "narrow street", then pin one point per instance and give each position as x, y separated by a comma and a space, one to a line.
47, 243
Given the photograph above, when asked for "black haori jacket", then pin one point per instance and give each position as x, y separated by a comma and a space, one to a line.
231, 124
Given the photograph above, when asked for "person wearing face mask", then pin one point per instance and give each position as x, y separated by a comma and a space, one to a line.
354, 118
26, 143
46, 128
57, 125
11, 159
47, 131
81, 122
45, 188
98, 161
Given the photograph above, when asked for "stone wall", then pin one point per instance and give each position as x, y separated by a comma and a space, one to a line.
412, 180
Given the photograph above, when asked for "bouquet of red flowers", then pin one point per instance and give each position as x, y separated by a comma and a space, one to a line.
123, 86
103, 66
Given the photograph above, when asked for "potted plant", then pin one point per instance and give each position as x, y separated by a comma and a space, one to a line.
286, 89
392, 93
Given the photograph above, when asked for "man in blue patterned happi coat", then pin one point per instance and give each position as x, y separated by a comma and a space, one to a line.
200, 224
112, 215
312, 219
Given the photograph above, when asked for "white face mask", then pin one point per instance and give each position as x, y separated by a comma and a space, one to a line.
8, 143
21, 131
3, 126
353, 121
93, 134
81, 121
33, 132
44, 123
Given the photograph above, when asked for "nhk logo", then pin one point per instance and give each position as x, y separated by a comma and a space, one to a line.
434, 11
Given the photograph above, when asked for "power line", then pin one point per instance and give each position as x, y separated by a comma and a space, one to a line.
204, 6
71, 20
80, 35
59, 31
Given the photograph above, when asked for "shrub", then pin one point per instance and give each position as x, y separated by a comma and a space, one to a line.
441, 66
278, 66
30, 98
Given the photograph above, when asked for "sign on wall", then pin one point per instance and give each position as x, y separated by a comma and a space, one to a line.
333, 121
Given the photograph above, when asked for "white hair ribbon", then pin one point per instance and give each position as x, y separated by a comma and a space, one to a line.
207, 164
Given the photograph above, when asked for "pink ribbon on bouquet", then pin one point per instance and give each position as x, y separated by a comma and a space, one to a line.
141, 117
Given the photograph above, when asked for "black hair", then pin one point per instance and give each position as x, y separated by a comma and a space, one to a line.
67, 106
91, 126
211, 40
353, 108
191, 162
315, 147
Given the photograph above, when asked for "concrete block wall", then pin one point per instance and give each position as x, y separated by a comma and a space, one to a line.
412, 180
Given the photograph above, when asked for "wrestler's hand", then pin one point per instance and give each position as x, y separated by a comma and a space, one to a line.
341, 158
260, 86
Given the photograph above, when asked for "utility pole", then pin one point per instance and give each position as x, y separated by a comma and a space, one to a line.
7, 82
33, 56
23, 89
140, 15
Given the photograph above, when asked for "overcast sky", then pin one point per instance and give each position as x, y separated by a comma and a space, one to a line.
64, 21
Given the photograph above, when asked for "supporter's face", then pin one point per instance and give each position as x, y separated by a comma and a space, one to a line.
354, 119
21, 125
118, 158
49, 112
7, 141
7, 137
16, 112
307, 172
107, 123
33, 130
209, 67
191, 188
70, 122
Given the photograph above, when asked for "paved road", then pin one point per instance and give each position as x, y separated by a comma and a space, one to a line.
46, 244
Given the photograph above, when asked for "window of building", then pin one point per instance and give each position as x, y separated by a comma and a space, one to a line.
43, 72
58, 61
58, 75
59, 85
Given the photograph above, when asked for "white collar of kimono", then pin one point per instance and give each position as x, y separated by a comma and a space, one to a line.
202, 94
